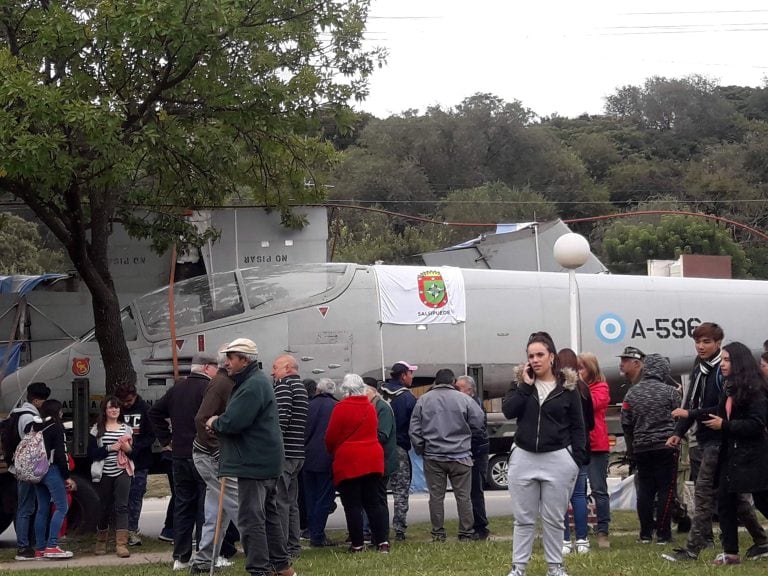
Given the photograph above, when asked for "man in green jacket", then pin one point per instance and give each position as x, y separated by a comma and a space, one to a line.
251, 450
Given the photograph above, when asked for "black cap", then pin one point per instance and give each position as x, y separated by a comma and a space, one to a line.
372, 382
38, 390
632, 352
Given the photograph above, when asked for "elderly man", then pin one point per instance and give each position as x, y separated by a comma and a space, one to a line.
396, 392
480, 449
442, 426
173, 419
205, 454
292, 402
251, 450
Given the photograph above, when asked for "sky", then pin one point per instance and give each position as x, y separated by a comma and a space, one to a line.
556, 56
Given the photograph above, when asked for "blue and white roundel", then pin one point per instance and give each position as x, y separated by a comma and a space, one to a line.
610, 328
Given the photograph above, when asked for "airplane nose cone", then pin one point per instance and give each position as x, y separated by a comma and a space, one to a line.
44, 369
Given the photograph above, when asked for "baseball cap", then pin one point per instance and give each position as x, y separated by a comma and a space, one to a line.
401, 366
242, 345
632, 352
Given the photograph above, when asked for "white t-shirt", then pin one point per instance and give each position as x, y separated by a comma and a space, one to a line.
543, 388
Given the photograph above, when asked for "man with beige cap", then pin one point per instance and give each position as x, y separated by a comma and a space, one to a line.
251, 450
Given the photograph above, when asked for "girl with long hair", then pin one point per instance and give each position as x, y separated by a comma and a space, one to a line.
743, 462
52, 489
109, 448
549, 448
568, 359
597, 469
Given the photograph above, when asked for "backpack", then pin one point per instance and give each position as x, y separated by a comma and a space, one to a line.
31, 458
9, 434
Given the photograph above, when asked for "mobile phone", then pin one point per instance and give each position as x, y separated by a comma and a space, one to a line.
530, 373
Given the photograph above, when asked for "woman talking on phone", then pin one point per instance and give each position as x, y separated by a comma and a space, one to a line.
549, 448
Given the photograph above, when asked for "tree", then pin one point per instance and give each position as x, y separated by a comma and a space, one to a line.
626, 247
167, 105
22, 250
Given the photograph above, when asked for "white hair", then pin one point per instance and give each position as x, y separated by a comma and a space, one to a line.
352, 385
326, 386
470, 381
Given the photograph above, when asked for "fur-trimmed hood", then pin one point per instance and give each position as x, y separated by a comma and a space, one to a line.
568, 377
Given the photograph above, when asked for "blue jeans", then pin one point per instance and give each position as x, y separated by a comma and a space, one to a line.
579, 506
25, 510
598, 482
318, 496
136, 498
50, 489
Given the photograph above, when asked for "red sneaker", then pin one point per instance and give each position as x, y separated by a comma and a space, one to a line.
57, 553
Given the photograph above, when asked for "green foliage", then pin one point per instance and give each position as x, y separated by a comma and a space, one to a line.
375, 237
493, 203
167, 105
626, 247
22, 251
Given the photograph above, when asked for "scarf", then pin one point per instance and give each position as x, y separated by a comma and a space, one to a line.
705, 368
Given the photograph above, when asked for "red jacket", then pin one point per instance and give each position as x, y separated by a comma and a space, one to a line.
352, 441
601, 397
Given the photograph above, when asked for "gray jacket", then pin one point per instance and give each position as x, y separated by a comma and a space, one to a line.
443, 422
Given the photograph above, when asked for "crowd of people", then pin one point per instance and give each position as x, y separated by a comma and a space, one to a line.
255, 460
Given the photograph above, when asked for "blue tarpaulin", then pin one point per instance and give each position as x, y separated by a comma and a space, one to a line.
24, 284
12, 361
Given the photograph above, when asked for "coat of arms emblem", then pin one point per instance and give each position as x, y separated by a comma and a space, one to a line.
432, 292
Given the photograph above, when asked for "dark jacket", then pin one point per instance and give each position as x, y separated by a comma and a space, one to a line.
180, 404
480, 443
744, 453
646, 413
137, 419
291, 397
53, 437
387, 434
588, 411
317, 458
555, 424
402, 401
214, 403
250, 441
705, 403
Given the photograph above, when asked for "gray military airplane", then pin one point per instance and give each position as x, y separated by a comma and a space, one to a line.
340, 318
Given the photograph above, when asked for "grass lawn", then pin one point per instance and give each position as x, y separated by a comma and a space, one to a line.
418, 556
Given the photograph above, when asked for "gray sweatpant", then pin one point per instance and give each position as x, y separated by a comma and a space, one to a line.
540, 483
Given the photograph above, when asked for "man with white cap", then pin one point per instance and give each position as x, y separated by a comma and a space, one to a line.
251, 450
396, 392
631, 363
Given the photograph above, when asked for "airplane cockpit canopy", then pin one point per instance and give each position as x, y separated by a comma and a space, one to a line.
264, 291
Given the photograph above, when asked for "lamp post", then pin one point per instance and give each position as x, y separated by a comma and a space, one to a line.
571, 251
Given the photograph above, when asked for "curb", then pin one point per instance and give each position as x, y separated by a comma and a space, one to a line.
89, 560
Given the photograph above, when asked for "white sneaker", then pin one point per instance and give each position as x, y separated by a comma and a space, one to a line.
222, 562
179, 565
567, 547
517, 570
582, 546
556, 570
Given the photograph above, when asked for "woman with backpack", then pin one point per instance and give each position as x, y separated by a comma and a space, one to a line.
109, 448
53, 487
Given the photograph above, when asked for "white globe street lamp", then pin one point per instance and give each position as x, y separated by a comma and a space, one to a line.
572, 251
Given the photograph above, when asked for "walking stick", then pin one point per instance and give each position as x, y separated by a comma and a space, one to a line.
217, 531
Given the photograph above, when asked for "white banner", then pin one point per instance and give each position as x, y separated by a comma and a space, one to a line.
414, 295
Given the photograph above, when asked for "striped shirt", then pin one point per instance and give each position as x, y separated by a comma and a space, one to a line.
292, 405
110, 462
